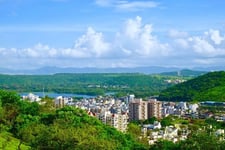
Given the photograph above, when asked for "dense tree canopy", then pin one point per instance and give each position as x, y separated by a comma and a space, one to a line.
209, 87
92, 84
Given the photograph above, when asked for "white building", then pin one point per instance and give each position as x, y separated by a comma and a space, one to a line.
193, 108
31, 97
61, 101
118, 121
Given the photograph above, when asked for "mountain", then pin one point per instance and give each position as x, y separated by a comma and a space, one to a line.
54, 70
146, 70
184, 73
210, 69
208, 87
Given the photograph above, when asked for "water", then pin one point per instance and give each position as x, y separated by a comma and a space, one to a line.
54, 95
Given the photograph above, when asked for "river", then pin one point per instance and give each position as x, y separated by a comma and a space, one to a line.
54, 95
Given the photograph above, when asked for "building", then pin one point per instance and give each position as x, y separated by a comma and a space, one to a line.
32, 98
154, 108
61, 101
138, 110
142, 110
118, 121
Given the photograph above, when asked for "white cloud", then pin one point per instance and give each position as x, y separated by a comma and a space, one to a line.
137, 39
136, 44
209, 44
92, 44
127, 5
202, 46
215, 36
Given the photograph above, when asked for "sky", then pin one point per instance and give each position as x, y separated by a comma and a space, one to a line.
111, 33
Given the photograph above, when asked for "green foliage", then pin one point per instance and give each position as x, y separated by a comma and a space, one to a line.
31, 108
66, 128
164, 145
134, 129
8, 142
202, 141
199, 140
167, 121
8, 97
72, 128
150, 120
92, 84
209, 87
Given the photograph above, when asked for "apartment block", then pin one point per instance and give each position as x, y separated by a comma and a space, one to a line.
142, 110
138, 110
154, 108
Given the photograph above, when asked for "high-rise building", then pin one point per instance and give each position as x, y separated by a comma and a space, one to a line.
142, 110
154, 108
138, 110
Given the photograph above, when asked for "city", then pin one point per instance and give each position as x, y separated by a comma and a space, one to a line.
118, 112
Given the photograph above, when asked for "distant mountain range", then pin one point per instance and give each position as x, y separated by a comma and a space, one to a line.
185, 73
146, 70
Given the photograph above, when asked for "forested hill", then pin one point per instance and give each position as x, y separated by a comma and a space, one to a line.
208, 87
92, 84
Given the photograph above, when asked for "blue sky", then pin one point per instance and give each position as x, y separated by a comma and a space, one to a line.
111, 33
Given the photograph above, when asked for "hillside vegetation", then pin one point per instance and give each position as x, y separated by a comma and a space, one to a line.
8, 142
92, 84
24, 124
208, 87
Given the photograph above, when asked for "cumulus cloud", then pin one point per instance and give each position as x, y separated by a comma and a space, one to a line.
208, 44
37, 51
91, 44
138, 40
127, 5
135, 44
215, 36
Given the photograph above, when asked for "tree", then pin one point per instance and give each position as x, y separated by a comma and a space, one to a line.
31, 108
8, 97
164, 145
202, 141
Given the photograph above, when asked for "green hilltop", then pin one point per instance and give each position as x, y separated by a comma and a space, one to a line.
208, 87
